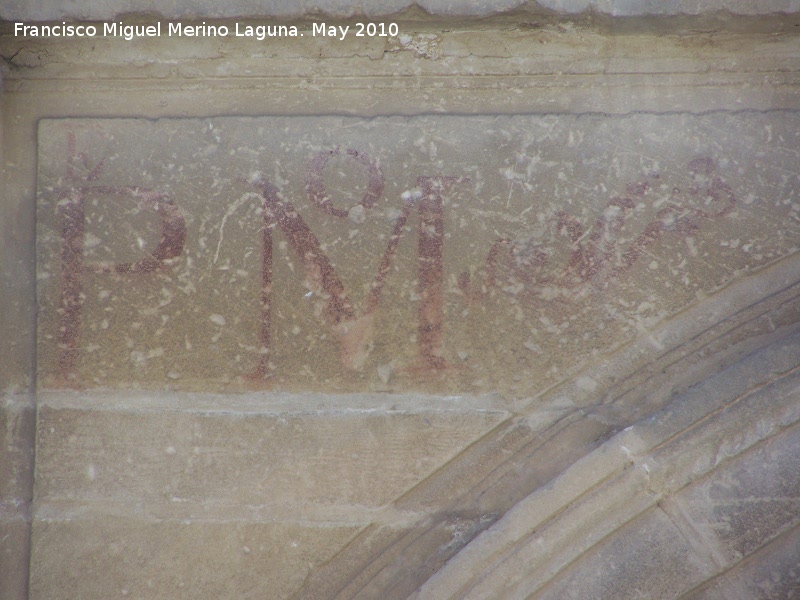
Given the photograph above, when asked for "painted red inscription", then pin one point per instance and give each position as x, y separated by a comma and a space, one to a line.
73, 263
355, 330
595, 255
595, 258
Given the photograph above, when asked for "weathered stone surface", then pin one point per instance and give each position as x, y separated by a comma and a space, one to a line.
382, 526
50, 10
694, 444
523, 68
17, 431
764, 387
437, 253
108, 557
750, 501
773, 572
243, 454
14, 552
17, 426
765, 411
648, 558
672, 7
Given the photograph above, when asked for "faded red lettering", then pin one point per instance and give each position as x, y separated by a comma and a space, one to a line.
316, 187
73, 264
431, 269
72, 225
354, 330
265, 332
593, 255
320, 272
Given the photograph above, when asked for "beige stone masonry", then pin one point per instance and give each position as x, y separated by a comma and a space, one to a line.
503, 306
706, 525
398, 253
42, 10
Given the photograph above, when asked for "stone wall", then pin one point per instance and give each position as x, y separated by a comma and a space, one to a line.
502, 303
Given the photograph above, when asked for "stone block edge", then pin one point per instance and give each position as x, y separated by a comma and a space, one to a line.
421, 9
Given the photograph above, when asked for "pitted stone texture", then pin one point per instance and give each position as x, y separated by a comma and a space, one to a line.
649, 558
263, 493
735, 431
17, 426
117, 557
289, 464
630, 8
51, 10
749, 502
773, 572
14, 553
17, 432
433, 253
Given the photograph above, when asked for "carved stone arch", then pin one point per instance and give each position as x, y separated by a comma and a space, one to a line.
669, 472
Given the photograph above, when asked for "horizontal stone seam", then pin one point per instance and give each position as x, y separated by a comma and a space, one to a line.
577, 64
17, 401
492, 82
272, 413
432, 11
286, 396
54, 71
267, 403
303, 104
322, 524
751, 275
68, 509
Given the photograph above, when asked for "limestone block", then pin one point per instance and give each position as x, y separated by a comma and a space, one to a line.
17, 423
210, 284
648, 558
432, 253
299, 461
773, 572
751, 500
51, 10
17, 426
636, 8
119, 557
710, 427
14, 552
